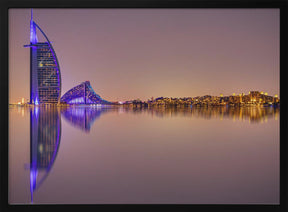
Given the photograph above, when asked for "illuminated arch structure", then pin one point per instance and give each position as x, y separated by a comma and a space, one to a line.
82, 94
45, 77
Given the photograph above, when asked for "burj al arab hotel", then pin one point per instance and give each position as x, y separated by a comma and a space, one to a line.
45, 75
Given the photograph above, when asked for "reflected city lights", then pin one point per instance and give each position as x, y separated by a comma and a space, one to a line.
45, 126
253, 114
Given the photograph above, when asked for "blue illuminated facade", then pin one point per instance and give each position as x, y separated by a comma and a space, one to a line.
82, 94
45, 76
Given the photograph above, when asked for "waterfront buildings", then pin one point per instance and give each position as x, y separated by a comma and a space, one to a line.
82, 94
45, 84
45, 76
254, 98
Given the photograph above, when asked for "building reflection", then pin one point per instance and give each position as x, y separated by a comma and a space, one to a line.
45, 135
82, 117
252, 114
45, 127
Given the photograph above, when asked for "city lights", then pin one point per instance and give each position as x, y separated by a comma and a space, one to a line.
255, 98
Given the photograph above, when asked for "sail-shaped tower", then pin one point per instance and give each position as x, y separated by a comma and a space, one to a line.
45, 76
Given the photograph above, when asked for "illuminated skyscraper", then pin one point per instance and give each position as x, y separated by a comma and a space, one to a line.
45, 77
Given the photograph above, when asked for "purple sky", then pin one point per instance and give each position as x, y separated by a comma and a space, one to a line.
140, 53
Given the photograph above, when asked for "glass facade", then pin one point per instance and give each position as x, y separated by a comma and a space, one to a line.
47, 74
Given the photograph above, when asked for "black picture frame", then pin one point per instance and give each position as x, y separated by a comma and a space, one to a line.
6, 4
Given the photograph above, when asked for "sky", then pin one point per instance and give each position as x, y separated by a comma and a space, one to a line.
142, 53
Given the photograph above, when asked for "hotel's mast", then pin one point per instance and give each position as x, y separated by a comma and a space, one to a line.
33, 36
33, 62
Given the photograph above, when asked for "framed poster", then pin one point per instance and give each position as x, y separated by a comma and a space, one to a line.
152, 106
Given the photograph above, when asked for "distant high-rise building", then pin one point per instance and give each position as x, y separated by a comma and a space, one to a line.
45, 76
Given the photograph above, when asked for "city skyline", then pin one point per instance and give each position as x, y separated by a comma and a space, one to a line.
139, 53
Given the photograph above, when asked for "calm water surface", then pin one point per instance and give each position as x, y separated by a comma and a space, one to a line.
152, 156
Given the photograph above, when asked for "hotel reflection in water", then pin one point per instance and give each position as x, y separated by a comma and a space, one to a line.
45, 135
82, 117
